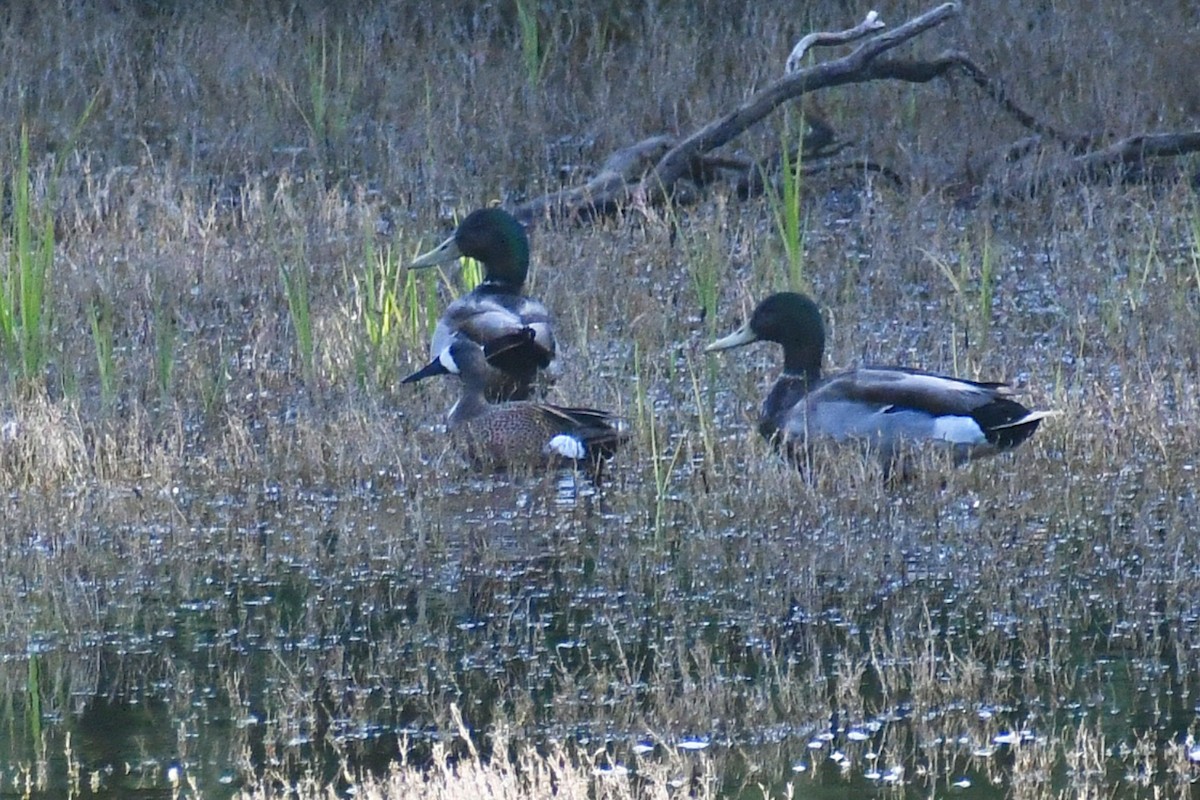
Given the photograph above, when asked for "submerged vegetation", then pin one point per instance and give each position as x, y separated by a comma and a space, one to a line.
239, 556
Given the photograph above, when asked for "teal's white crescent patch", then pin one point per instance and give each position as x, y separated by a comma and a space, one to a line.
447, 361
567, 447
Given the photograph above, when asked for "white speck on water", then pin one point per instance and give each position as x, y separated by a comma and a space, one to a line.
983, 752
641, 748
693, 744
799, 766
1006, 737
961, 783
857, 735
615, 771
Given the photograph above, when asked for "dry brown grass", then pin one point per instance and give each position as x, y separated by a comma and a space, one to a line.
511, 772
298, 555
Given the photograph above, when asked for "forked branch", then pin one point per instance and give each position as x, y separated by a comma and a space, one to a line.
651, 171
823, 39
628, 179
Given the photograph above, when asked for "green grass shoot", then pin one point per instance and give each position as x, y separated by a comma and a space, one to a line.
166, 339
294, 278
28, 259
532, 56
99, 313
785, 200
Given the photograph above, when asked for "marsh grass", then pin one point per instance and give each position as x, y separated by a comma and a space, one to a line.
534, 56
470, 274
389, 310
278, 583
515, 770
331, 81
294, 279
166, 338
972, 277
100, 313
705, 265
25, 308
785, 199
664, 459
34, 695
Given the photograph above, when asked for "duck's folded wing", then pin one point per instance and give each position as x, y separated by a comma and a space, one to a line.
480, 321
484, 318
599, 432
578, 416
937, 395
533, 315
912, 404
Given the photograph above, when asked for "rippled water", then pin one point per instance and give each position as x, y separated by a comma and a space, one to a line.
210, 638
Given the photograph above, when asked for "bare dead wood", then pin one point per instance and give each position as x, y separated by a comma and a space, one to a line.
600, 194
1086, 162
1098, 165
651, 171
849, 69
824, 38
613, 187
925, 71
751, 176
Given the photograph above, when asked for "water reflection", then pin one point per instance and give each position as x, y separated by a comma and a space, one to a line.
217, 639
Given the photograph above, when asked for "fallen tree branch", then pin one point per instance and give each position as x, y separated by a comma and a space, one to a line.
823, 38
615, 184
601, 194
925, 71
851, 68
1101, 164
649, 172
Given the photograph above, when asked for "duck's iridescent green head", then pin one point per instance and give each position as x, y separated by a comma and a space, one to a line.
791, 319
493, 237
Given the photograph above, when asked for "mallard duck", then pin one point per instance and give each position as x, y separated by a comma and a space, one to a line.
496, 307
883, 406
522, 432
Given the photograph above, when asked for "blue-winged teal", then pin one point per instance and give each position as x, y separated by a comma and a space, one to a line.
519, 433
496, 307
883, 406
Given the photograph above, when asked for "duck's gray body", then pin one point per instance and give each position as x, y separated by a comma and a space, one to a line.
884, 407
888, 407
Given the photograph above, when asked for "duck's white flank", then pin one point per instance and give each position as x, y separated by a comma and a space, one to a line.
567, 446
960, 430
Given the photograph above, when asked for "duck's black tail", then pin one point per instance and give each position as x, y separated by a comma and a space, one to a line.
1006, 423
